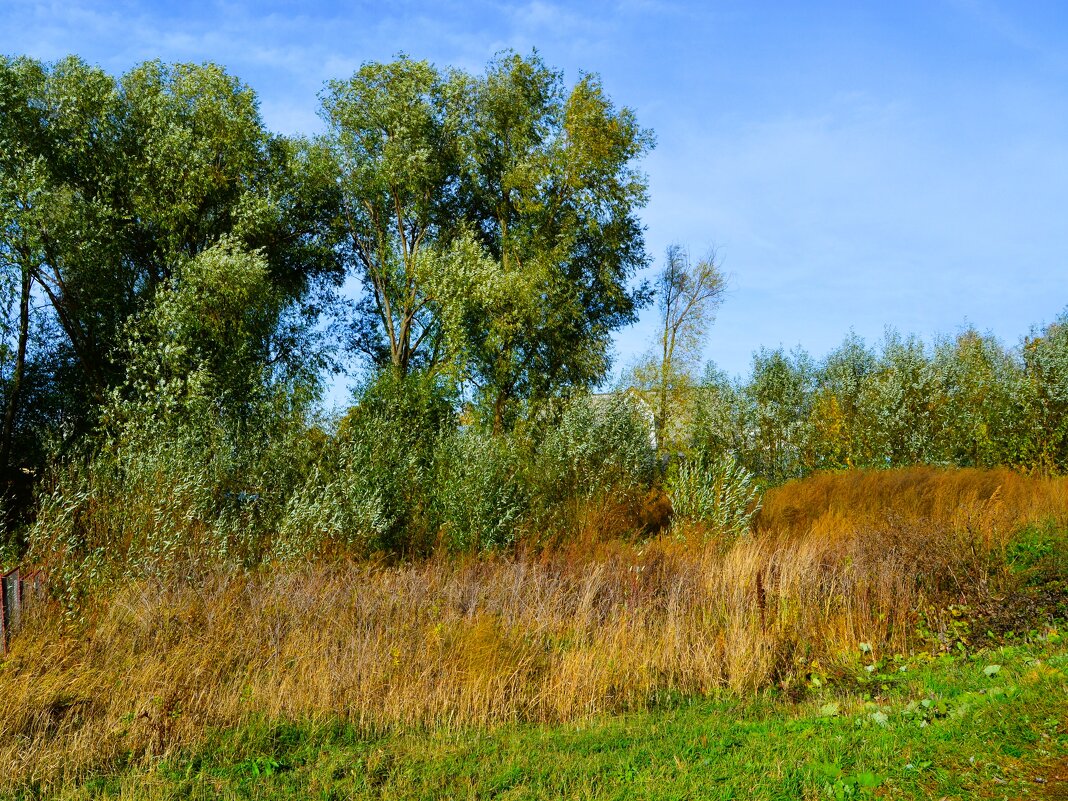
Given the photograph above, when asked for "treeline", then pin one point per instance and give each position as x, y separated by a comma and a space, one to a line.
967, 401
171, 275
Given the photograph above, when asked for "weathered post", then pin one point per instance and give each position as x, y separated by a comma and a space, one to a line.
10, 606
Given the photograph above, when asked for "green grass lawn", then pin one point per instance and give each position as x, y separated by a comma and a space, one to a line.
990, 725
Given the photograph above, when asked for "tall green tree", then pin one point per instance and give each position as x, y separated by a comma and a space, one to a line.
18, 258
394, 137
552, 189
60, 130
492, 221
111, 184
903, 405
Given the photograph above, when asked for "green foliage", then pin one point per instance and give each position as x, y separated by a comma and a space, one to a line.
836, 436
393, 138
983, 411
110, 192
903, 399
1039, 554
199, 141
207, 335
714, 491
491, 220
175, 495
402, 477
968, 401
372, 493
1046, 378
594, 448
180, 258
775, 405
552, 192
718, 426
200, 446
480, 496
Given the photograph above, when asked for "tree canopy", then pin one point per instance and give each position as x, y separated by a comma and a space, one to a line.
158, 244
492, 220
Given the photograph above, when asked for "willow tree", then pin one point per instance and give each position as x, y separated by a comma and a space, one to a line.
393, 133
492, 221
108, 185
552, 189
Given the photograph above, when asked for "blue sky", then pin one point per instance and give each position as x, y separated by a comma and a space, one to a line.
857, 165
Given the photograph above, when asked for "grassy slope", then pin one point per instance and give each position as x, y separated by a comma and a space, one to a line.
943, 727
983, 725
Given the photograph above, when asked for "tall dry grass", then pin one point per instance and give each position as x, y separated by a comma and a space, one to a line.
840, 501
951, 525
548, 636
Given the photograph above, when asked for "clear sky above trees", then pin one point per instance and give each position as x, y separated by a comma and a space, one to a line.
855, 165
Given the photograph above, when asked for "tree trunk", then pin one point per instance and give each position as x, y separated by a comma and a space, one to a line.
20, 368
499, 404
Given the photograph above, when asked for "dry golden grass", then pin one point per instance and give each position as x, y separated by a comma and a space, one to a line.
843, 500
835, 561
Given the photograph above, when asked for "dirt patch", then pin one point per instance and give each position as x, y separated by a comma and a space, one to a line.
1020, 611
1056, 784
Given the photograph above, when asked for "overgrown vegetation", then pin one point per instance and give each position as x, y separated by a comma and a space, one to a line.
841, 572
478, 543
161, 377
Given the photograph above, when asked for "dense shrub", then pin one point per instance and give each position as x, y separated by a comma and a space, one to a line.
372, 491
714, 491
204, 492
596, 452
480, 498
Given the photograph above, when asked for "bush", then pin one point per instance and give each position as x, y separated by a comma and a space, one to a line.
182, 486
480, 499
715, 492
198, 494
594, 452
373, 491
